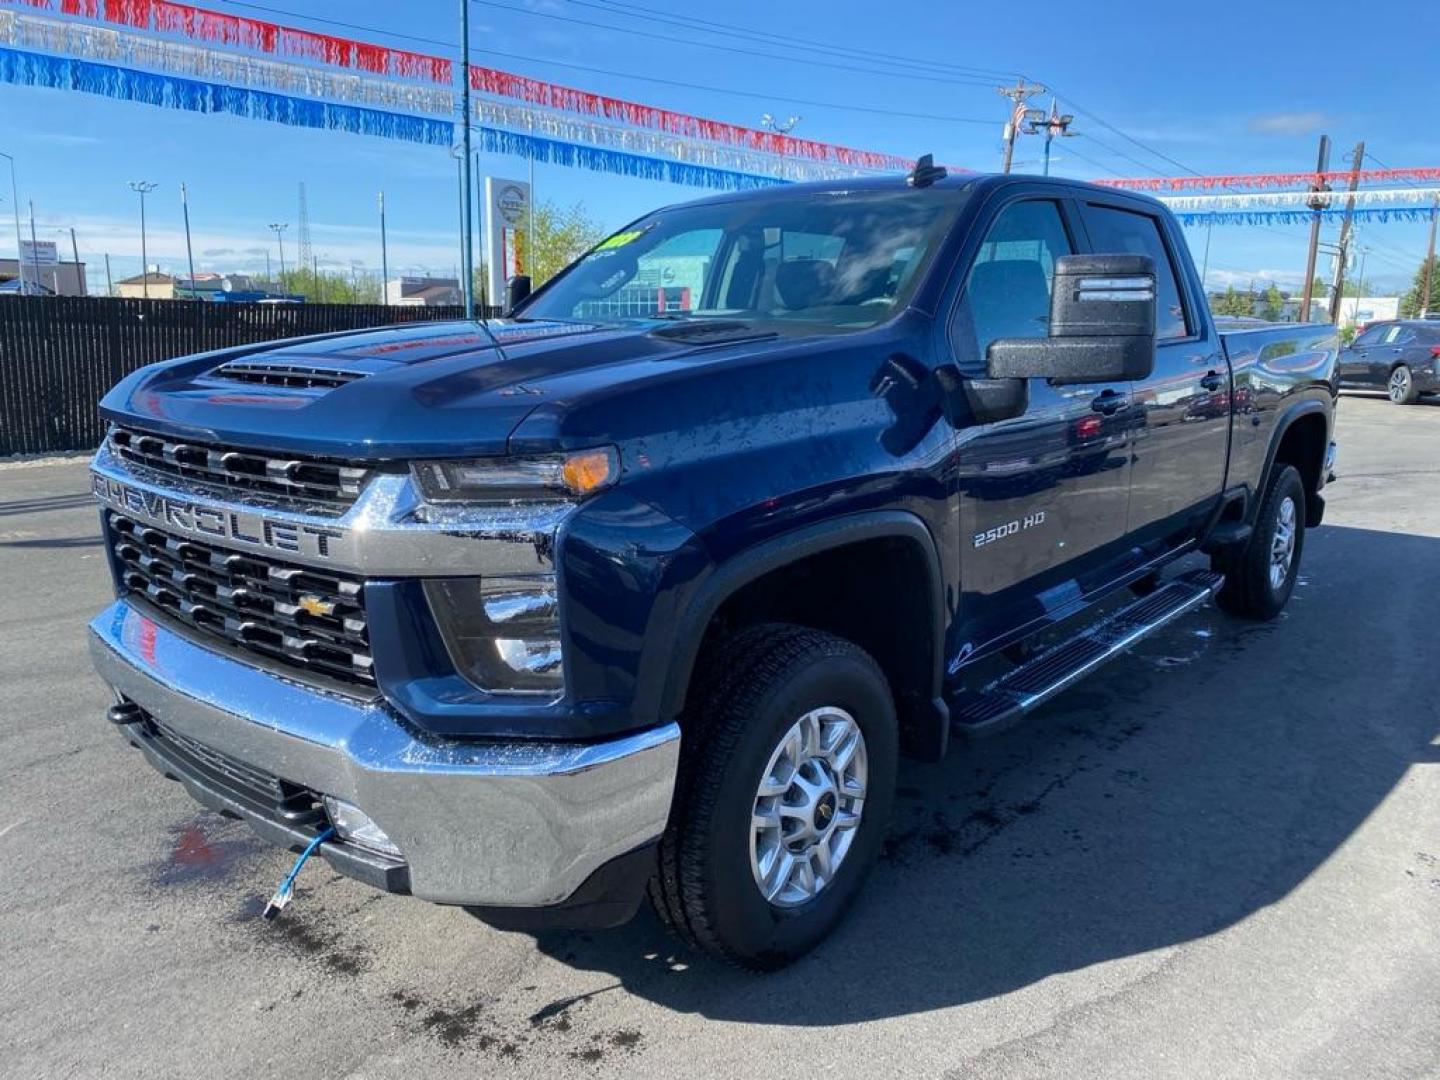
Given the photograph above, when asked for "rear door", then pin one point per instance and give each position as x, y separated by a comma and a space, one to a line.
1180, 415
1042, 496
1385, 353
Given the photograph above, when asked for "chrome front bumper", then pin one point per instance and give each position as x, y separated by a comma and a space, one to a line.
513, 824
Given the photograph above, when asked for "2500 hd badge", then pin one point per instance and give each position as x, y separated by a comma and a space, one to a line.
1010, 528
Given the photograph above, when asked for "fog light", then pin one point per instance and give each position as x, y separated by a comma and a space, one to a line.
354, 826
502, 632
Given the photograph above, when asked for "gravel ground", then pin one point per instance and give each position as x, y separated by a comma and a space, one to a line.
1218, 858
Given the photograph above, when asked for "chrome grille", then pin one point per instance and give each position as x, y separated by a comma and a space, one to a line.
319, 483
295, 376
310, 619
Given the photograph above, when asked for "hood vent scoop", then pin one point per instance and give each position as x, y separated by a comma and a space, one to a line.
292, 375
711, 332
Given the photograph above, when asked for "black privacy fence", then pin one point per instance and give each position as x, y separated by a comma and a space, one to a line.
59, 354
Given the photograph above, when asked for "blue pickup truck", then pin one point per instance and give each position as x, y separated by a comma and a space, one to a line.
648, 586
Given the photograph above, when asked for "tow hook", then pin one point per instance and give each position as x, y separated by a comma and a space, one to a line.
124, 713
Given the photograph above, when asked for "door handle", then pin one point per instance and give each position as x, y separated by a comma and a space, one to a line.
1110, 403
1212, 381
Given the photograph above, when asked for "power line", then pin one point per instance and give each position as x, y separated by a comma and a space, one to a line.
618, 7
651, 36
451, 49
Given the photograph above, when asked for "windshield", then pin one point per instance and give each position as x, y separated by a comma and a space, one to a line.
832, 262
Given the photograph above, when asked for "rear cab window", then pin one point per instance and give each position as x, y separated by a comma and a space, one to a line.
1114, 231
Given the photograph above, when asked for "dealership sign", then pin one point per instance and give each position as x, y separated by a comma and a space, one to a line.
37, 254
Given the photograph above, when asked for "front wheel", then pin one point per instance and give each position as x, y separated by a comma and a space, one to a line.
785, 791
1261, 576
1401, 387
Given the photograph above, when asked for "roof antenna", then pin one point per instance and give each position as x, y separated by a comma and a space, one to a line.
926, 172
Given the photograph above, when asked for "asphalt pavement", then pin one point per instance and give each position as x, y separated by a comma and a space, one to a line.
1217, 858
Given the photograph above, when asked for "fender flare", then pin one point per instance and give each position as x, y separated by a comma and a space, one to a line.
1283, 423
754, 562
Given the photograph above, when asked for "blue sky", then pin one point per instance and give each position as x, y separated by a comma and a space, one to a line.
1223, 87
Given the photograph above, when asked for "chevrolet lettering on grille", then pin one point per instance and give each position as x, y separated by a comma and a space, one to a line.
195, 519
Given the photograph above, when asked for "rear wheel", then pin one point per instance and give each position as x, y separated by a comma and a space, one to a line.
1260, 577
1401, 387
787, 780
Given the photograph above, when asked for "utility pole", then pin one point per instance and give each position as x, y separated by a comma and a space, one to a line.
1340, 262
109, 281
15, 202
75, 255
315, 276
143, 188
384, 258
1018, 95
189, 252
1205, 262
467, 261
278, 228
1429, 260
1317, 202
1050, 126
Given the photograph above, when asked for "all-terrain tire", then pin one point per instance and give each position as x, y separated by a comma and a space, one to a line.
752, 689
1254, 588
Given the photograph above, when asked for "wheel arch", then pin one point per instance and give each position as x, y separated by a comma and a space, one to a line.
1300, 438
915, 670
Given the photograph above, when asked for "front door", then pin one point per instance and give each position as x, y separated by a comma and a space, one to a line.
1042, 497
1180, 415
1355, 361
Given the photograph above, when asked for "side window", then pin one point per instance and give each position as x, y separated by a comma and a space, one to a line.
1124, 232
1007, 294
1370, 336
1403, 336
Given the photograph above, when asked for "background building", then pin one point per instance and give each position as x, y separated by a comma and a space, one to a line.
154, 285
65, 278
423, 292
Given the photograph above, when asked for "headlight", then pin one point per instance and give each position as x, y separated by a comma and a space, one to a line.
499, 480
502, 633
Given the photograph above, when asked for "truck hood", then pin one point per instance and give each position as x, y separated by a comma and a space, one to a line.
431, 389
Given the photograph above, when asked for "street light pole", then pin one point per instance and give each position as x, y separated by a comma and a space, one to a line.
278, 228
467, 261
35, 244
384, 258
15, 200
189, 252
143, 188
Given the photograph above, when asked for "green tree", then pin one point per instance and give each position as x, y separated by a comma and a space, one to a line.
1411, 304
1273, 303
1233, 302
562, 234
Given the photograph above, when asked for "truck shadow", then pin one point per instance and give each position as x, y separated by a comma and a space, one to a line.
1190, 785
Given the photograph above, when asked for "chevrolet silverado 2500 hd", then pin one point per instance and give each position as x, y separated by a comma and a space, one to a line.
648, 585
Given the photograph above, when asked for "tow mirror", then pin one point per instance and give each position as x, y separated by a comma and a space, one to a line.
1102, 325
516, 290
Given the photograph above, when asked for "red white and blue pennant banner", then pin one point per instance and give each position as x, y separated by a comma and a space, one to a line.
1382, 214
256, 35
1423, 175
1258, 199
208, 27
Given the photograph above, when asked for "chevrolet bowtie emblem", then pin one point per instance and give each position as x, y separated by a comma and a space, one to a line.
313, 605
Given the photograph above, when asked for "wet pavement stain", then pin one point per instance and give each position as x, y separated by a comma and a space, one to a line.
482, 1026
317, 944
205, 848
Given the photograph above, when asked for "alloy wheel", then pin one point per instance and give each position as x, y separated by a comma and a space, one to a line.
808, 806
